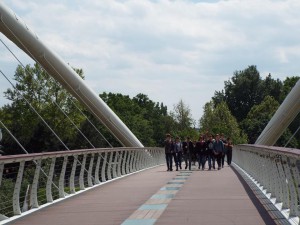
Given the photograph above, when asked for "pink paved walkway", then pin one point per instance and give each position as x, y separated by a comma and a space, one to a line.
204, 197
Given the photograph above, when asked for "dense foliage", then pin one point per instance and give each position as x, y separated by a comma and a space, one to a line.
253, 101
75, 128
241, 110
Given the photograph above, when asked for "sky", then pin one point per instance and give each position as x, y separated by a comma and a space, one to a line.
170, 50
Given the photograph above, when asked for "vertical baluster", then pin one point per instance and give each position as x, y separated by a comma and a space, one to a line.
284, 193
97, 171
103, 177
139, 164
62, 178
109, 167
278, 185
90, 171
272, 175
136, 158
124, 152
16, 195
130, 161
296, 179
143, 160
72, 176
115, 162
293, 206
119, 163
34, 187
81, 175
268, 173
133, 160
50, 181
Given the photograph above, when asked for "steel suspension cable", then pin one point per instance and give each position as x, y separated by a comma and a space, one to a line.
53, 102
22, 96
292, 136
24, 150
57, 104
28, 52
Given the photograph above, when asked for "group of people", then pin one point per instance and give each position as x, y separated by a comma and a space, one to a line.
207, 148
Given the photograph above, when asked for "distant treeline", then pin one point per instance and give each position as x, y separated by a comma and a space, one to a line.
241, 111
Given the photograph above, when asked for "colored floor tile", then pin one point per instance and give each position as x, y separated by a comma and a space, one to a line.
169, 188
153, 207
175, 182
139, 222
163, 196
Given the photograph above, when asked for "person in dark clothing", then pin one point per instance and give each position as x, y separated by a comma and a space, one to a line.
229, 147
218, 150
190, 150
200, 150
177, 153
222, 138
168, 151
209, 153
184, 153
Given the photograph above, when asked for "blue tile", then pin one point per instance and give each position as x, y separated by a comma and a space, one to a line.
180, 178
169, 188
139, 222
175, 182
153, 207
163, 196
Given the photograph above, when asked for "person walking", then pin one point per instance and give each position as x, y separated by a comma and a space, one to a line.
229, 147
209, 152
200, 150
168, 151
184, 153
190, 150
218, 150
222, 138
177, 153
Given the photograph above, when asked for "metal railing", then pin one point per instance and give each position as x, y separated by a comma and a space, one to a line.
30, 181
275, 170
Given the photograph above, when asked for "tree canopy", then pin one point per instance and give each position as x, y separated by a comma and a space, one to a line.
241, 110
253, 100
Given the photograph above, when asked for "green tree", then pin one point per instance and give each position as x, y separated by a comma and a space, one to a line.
242, 92
272, 87
220, 120
40, 90
184, 123
148, 120
258, 118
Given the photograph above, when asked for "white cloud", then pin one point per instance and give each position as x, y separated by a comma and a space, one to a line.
170, 50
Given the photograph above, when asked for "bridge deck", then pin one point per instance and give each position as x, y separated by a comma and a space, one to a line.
160, 197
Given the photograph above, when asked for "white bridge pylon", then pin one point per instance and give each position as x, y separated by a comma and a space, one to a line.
19, 33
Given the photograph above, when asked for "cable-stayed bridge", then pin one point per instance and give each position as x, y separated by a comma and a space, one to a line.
130, 185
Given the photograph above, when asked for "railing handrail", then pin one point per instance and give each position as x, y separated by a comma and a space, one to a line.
43, 155
273, 149
53, 176
276, 172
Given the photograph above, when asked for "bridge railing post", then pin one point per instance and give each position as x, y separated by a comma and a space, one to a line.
274, 169
47, 177
104, 165
115, 161
17, 189
124, 160
34, 186
97, 169
49, 195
